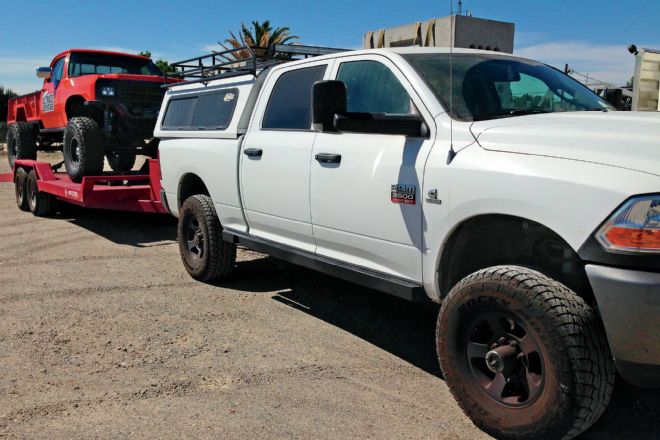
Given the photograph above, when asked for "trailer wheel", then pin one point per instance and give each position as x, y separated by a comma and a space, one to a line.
205, 255
21, 143
40, 204
524, 356
83, 148
121, 161
20, 187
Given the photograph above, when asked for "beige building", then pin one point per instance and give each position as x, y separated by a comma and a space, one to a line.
461, 30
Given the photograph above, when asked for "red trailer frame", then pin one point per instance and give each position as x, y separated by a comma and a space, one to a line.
130, 192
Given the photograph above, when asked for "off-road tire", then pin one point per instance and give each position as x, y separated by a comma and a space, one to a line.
21, 142
121, 161
218, 257
39, 203
151, 148
20, 188
579, 370
83, 148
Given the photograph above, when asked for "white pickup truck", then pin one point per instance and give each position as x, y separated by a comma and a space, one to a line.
494, 185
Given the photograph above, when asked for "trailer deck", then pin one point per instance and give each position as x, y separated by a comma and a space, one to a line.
135, 192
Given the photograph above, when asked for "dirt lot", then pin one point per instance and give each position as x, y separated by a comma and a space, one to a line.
104, 335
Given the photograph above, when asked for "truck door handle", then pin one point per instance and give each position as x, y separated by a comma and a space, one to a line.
328, 158
253, 152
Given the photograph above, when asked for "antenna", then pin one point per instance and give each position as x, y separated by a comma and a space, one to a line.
460, 8
452, 153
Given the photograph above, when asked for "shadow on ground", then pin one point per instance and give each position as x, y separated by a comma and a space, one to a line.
407, 330
126, 228
403, 329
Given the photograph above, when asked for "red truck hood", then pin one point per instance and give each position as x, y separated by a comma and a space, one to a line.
128, 77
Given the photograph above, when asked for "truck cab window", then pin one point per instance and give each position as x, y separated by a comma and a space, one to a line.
57, 72
371, 87
290, 104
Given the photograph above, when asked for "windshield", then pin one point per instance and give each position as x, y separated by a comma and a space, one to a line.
89, 63
492, 86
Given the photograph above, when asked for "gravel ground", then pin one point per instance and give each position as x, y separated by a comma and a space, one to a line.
104, 335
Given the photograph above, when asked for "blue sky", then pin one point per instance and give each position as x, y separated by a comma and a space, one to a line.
589, 35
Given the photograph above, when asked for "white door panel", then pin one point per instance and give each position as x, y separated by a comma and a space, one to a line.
275, 183
275, 187
353, 214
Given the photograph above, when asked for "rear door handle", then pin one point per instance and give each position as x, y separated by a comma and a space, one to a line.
253, 152
328, 158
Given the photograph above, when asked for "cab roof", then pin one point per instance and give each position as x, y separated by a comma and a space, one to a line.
103, 52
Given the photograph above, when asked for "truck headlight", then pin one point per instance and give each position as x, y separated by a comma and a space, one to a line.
635, 227
108, 91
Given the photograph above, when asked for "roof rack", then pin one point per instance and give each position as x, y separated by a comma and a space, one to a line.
244, 60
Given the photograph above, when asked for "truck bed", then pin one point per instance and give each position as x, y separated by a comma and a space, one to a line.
28, 107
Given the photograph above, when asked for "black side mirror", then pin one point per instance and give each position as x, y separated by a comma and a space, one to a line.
328, 99
380, 123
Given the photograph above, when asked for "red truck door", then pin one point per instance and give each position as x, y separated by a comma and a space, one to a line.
51, 109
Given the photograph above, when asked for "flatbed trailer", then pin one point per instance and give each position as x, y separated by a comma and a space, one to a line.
38, 184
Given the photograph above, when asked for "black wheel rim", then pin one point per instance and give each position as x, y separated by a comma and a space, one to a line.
75, 151
194, 237
33, 191
504, 357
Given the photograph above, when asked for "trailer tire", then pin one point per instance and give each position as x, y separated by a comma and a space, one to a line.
40, 203
205, 255
20, 188
121, 161
21, 142
524, 356
83, 148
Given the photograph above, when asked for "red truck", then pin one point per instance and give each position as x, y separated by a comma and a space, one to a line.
93, 103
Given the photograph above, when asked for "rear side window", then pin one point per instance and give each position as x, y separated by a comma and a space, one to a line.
290, 104
209, 111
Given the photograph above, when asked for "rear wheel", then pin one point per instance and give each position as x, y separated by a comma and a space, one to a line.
20, 187
205, 255
121, 161
524, 356
40, 204
83, 148
21, 143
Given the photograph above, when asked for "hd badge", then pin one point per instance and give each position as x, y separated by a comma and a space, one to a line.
405, 194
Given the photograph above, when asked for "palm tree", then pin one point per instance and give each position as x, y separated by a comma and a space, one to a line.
260, 36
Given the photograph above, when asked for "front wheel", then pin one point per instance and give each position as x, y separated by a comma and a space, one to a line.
83, 148
205, 255
524, 356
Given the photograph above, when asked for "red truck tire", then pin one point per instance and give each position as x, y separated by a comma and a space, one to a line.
83, 148
21, 143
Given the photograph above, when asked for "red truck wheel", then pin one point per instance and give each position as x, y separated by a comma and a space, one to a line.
83, 148
121, 161
21, 143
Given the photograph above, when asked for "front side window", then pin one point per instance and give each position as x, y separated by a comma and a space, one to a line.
493, 86
371, 87
58, 69
290, 104
91, 63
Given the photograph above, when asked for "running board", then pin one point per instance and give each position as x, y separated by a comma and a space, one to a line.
398, 287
